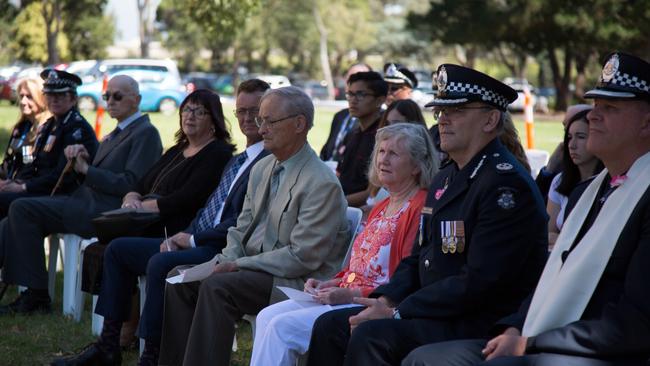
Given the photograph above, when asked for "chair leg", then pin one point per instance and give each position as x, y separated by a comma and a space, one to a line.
97, 320
71, 245
142, 287
53, 243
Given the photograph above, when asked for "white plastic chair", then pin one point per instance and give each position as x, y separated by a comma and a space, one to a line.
73, 248
354, 216
537, 159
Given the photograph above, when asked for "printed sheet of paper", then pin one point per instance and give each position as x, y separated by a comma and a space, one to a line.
301, 297
196, 273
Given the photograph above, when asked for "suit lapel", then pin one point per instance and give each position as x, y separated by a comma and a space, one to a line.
282, 199
258, 205
461, 181
455, 187
243, 177
107, 146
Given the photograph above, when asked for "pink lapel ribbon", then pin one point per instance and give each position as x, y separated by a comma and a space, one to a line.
617, 180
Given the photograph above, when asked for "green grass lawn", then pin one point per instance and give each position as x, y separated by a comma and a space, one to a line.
35, 340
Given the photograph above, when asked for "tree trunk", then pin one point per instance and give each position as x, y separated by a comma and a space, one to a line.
145, 35
561, 82
581, 65
324, 56
52, 18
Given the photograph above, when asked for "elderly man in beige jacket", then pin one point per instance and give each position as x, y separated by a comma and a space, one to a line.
292, 227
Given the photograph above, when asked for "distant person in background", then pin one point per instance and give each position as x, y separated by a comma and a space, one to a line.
404, 110
342, 122
401, 82
66, 127
578, 166
366, 94
554, 166
33, 112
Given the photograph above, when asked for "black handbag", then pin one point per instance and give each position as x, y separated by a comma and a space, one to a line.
124, 222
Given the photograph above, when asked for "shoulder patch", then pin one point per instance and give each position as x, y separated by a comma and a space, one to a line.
506, 199
77, 134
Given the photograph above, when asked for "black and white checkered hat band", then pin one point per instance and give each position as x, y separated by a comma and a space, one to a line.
630, 82
58, 86
486, 95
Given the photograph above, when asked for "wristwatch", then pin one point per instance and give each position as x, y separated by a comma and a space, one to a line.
396, 314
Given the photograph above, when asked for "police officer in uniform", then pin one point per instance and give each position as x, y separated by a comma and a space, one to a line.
481, 247
401, 82
66, 127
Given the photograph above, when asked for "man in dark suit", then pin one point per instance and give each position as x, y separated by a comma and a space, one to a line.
342, 123
66, 127
122, 158
481, 247
127, 258
591, 306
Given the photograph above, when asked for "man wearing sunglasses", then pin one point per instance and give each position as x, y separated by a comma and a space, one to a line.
66, 127
123, 156
401, 82
481, 247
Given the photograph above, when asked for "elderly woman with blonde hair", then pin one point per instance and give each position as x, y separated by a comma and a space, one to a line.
403, 163
33, 112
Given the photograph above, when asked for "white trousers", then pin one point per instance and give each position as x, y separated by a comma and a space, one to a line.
283, 330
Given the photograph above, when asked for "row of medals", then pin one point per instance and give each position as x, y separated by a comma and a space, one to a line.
453, 244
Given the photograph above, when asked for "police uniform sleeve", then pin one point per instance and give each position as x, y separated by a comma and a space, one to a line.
405, 279
509, 226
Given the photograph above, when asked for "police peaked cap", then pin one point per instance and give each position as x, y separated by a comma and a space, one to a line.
57, 81
398, 74
459, 85
624, 76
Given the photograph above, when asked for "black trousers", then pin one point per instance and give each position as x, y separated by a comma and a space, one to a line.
468, 353
374, 342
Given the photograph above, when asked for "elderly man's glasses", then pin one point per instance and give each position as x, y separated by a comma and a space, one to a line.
245, 112
452, 112
360, 95
197, 112
259, 121
117, 96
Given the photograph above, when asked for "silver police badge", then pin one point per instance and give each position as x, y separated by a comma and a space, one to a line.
441, 79
506, 200
610, 69
52, 75
77, 134
504, 166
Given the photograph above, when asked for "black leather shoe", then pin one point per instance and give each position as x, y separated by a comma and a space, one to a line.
90, 356
28, 302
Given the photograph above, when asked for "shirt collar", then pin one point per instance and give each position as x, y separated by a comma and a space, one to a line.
255, 149
128, 120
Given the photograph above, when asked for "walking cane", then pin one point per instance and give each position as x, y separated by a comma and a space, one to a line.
68, 167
